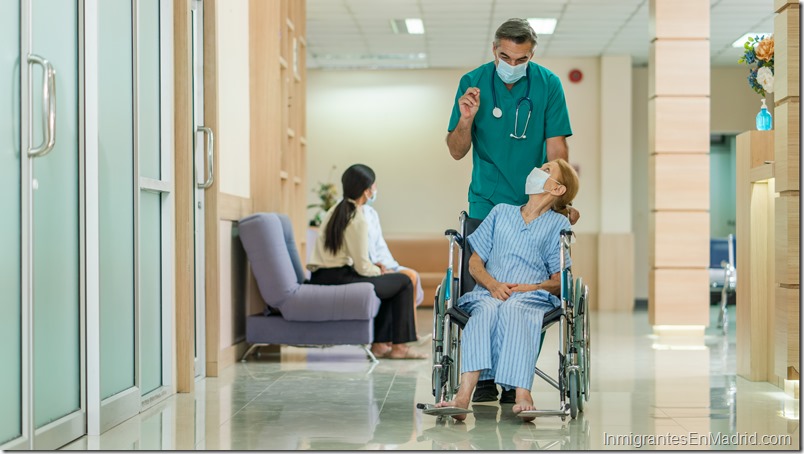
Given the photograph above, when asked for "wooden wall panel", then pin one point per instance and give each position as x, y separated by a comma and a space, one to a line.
788, 314
759, 146
672, 121
787, 64
787, 239
781, 4
212, 269
678, 181
787, 153
615, 272
673, 79
679, 239
183, 183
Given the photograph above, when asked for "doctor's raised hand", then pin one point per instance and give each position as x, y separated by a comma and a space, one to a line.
469, 103
460, 138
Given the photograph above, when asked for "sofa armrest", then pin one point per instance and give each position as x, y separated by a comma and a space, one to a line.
321, 303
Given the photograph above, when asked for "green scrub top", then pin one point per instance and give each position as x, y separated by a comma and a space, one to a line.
500, 163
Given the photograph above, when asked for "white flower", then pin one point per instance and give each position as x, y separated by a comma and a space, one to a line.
765, 78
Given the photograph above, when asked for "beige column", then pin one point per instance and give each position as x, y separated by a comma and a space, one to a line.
786, 156
678, 174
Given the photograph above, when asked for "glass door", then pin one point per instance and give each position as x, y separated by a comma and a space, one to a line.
154, 144
51, 175
113, 113
203, 149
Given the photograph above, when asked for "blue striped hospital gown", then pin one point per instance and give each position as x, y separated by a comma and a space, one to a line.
502, 338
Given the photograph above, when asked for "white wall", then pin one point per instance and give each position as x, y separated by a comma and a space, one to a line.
232, 136
396, 122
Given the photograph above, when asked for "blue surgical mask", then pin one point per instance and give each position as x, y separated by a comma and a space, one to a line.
510, 74
373, 197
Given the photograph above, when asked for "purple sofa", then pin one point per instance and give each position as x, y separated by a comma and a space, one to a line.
298, 313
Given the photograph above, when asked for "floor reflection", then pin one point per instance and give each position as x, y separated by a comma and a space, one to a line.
333, 399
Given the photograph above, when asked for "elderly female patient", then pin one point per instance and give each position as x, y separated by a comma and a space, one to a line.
516, 264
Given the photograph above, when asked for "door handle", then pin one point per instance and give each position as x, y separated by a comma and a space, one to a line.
210, 157
48, 107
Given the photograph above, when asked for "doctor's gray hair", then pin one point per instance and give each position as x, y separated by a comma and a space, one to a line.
516, 30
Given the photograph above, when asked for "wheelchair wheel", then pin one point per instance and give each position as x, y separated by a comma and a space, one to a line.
574, 396
586, 347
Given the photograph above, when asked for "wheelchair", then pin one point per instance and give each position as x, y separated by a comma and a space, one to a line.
573, 379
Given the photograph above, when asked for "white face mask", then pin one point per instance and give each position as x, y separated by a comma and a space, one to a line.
510, 74
373, 197
534, 184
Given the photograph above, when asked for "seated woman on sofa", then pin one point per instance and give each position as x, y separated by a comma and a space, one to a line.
341, 256
516, 265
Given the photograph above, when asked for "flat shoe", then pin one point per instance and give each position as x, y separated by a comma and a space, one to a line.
485, 394
508, 397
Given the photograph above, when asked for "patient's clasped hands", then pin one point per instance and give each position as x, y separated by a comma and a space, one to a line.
503, 290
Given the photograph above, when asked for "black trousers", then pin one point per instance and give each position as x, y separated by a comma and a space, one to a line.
395, 320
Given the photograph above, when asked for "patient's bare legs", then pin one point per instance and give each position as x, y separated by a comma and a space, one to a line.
464, 395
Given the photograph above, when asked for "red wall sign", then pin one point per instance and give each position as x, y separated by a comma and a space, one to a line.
575, 75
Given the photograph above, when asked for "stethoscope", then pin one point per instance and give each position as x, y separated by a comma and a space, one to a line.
497, 112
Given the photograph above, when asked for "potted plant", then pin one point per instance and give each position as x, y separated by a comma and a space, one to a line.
328, 196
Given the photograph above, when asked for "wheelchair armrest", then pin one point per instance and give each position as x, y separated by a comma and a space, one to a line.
457, 236
458, 316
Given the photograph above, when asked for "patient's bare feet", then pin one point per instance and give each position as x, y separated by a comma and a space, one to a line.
524, 402
456, 402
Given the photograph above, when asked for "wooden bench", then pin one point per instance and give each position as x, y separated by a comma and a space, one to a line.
426, 254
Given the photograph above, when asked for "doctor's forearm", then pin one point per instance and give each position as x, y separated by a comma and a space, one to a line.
557, 148
459, 140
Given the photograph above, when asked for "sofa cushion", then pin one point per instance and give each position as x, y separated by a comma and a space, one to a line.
290, 242
318, 303
263, 239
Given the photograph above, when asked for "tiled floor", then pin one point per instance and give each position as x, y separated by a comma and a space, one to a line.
675, 390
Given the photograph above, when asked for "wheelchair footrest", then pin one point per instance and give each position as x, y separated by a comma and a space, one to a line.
430, 409
537, 413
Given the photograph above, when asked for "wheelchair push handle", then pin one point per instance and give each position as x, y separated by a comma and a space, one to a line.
453, 234
568, 236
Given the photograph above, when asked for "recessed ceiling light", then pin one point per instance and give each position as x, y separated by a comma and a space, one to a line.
411, 26
741, 40
543, 25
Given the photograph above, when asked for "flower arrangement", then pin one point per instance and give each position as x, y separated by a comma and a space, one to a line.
759, 52
328, 196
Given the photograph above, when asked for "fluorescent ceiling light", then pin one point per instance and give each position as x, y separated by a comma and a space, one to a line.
542, 25
411, 26
415, 26
741, 40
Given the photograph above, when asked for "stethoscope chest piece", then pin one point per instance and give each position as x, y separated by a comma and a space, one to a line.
497, 112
